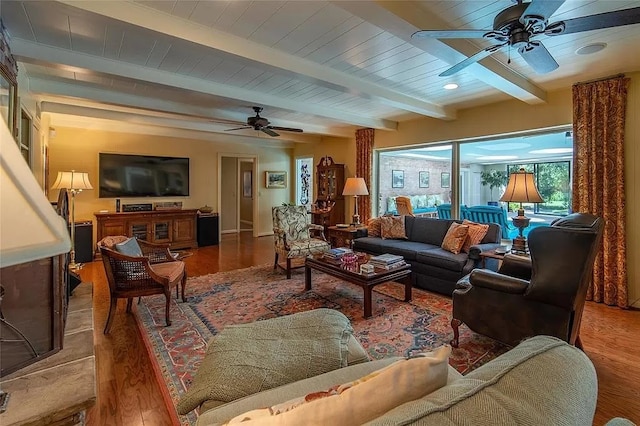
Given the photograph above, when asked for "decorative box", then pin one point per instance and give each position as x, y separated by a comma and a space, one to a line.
366, 268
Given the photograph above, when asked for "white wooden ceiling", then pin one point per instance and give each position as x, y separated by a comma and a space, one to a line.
326, 67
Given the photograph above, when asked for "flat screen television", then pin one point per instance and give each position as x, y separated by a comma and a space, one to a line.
123, 175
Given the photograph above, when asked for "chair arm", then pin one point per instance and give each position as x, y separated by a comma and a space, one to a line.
516, 266
317, 228
474, 251
498, 282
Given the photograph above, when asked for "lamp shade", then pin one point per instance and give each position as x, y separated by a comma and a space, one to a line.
72, 180
521, 188
30, 227
355, 186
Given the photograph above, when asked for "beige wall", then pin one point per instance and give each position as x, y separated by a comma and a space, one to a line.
78, 149
504, 118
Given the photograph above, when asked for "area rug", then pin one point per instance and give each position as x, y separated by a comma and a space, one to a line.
257, 293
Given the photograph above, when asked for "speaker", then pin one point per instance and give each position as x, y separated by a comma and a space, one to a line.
84, 241
137, 207
208, 230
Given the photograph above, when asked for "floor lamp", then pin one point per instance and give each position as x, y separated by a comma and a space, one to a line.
74, 182
521, 189
355, 186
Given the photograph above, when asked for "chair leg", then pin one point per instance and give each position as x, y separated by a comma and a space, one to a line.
455, 323
167, 296
184, 284
578, 343
112, 310
288, 267
275, 263
129, 303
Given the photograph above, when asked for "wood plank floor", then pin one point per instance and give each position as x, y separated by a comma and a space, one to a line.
129, 395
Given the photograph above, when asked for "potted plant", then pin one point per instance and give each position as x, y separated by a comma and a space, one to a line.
494, 179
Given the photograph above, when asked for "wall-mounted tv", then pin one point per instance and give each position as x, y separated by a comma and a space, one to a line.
123, 175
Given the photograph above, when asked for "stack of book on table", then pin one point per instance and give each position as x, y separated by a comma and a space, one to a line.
387, 261
337, 253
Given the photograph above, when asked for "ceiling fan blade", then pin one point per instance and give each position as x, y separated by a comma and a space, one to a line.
471, 59
269, 132
449, 34
538, 57
286, 129
616, 18
541, 8
238, 128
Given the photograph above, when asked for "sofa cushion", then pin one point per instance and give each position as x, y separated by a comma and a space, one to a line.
363, 399
455, 238
248, 358
392, 227
476, 233
427, 230
406, 249
373, 227
542, 381
443, 259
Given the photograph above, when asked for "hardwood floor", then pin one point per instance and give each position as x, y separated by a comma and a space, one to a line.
128, 393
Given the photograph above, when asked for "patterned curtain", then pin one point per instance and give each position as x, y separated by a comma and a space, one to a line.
598, 179
364, 162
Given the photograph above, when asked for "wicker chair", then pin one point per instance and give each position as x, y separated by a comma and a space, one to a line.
291, 226
155, 271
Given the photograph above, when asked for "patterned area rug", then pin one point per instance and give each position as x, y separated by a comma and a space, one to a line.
257, 293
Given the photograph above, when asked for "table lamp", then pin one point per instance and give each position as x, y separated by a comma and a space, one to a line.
355, 186
74, 182
521, 189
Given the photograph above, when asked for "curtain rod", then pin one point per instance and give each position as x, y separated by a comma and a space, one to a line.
599, 79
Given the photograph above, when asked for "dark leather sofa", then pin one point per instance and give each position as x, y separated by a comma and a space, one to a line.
432, 268
543, 294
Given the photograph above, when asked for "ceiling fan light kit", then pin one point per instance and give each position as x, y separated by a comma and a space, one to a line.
517, 26
263, 125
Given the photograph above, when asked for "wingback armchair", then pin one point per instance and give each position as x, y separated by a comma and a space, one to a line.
543, 294
292, 237
488, 214
136, 268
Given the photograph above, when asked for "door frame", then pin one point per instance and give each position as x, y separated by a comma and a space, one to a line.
238, 183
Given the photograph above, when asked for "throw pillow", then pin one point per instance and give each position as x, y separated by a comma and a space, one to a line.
476, 233
373, 227
455, 237
364, 399
248, 358
130, 247
392, 227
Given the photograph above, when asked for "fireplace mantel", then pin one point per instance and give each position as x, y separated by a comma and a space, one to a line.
59, 389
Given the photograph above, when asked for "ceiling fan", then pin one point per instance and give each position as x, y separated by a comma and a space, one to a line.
518, 25
262, 124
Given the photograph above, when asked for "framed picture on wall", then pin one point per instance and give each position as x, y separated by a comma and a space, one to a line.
246, 184
397, 178
445, 180
423, 179
276, 179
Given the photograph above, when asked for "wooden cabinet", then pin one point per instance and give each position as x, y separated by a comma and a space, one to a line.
330, 184
176, 227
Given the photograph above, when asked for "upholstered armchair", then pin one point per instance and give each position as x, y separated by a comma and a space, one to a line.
292, 237
543, 294
136, 268
403, 205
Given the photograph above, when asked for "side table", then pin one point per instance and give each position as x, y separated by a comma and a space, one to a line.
491, 254
343, 237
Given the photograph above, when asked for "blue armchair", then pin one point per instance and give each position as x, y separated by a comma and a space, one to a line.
444, 211
488, 214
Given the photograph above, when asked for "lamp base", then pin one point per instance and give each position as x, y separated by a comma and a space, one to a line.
355, 220
519, 245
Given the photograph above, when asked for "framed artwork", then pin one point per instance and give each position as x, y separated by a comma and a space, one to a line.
445, 179
246, 184
276, 179
397, 178
423, 179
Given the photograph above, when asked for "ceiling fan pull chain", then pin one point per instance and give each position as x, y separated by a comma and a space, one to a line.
509, 60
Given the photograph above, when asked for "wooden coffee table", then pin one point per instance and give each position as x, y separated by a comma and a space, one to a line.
351, 274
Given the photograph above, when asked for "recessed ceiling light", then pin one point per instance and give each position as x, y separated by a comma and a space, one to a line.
591, 48
552, 151
450, 86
